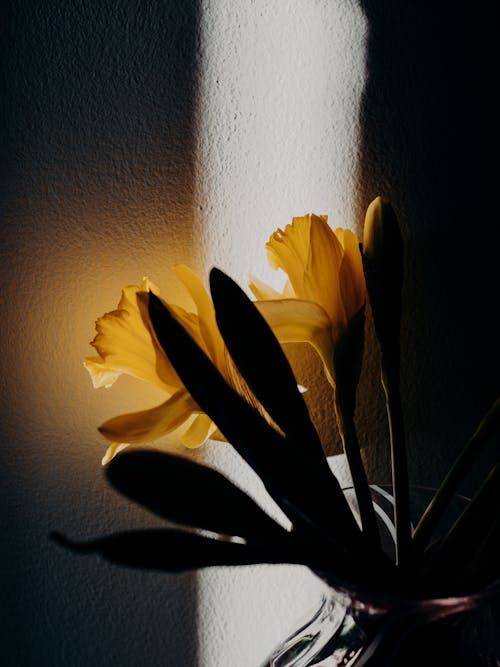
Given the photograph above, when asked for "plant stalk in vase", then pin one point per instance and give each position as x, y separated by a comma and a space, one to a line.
383, 263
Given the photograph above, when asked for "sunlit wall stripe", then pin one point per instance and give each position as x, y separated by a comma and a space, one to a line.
277, 125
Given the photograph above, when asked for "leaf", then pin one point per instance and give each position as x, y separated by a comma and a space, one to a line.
185, 492
282, 473
262, 362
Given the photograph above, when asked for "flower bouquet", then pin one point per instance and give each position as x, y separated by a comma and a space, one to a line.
226, 376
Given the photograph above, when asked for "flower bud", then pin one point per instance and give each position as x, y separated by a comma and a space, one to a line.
383, 267
382, 242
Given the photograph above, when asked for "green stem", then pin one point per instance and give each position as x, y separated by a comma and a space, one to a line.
448, 488
358, 474
399, 464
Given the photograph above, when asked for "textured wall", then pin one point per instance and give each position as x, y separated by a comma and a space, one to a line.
425, 132
278, 125
135, 135
97, 188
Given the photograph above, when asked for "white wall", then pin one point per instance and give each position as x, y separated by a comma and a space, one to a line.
134, 137
278, 108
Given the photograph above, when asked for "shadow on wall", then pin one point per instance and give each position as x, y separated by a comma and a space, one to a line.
423, 133
97, 174
98, 116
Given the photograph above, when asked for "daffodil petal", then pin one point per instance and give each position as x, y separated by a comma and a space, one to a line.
299, 321
189, 321
351, 275
125, 344
321, 272
100, 372
198, 432
262, 291
289, 250
206, 313
196, 290
148, 425
288, 291
114, 449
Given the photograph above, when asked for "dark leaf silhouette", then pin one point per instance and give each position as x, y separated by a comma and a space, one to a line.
172, 550
188, 493
282, 470
262, 362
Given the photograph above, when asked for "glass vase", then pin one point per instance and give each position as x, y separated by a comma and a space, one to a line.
358, 629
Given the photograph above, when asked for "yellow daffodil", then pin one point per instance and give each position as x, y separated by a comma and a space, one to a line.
325, 289
126, 343
323, 304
